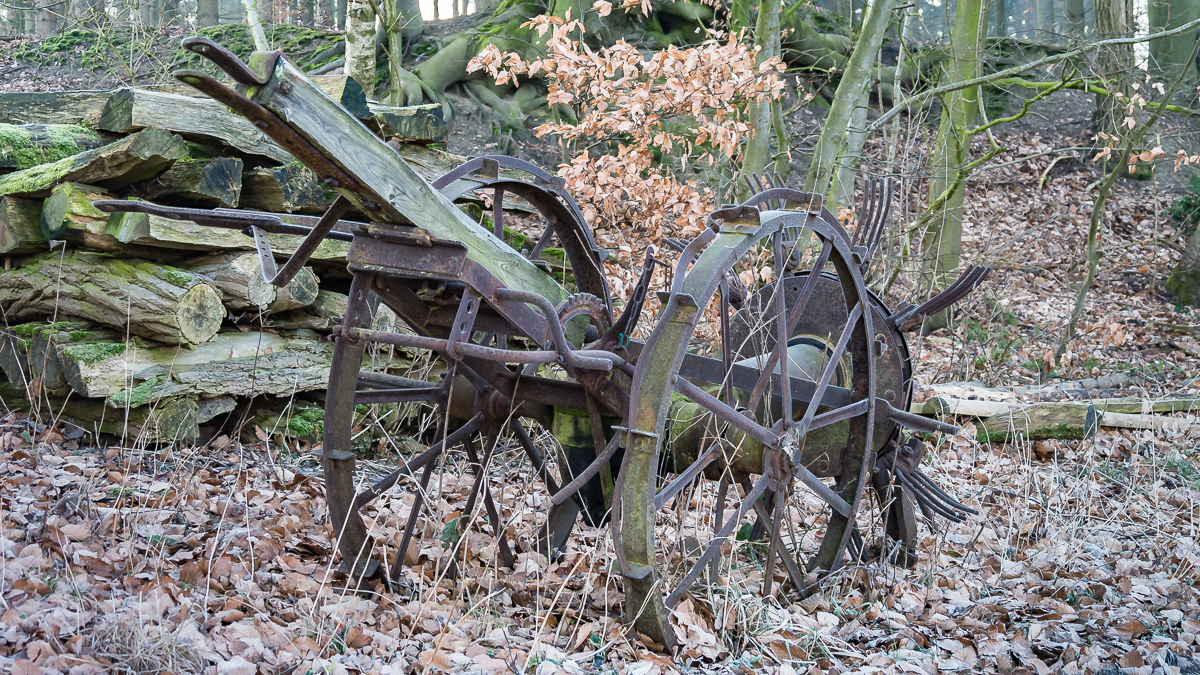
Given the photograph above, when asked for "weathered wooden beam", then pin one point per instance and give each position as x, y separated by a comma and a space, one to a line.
117, 165
27, 145
212, 183
134, 109
21, 226
386, 180
155, 301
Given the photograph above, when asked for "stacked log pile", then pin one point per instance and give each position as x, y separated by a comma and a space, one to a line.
150, 328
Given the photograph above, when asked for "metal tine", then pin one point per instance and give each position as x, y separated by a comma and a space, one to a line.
865, 213
753, 190
966, 282
881, 219
778, 182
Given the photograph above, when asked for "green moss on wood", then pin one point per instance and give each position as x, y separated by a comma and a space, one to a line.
146, 392
93, 352
307, 423
25, 146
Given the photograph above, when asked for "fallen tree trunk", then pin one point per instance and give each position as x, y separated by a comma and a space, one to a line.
239, 278
1041, 421
132, 159
941, 405
21, 226
135, 109
27, 145
210, 183
232, 363
154, 301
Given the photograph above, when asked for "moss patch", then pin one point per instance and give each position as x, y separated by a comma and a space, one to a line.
147, 392
307, 424
93, 352
22, 147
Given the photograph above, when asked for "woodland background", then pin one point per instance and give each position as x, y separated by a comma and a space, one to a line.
1051, 140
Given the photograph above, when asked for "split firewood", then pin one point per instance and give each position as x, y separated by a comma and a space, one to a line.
45, 366
210, 183
26, 145
114, 166
134, 109
164, 303
233, 363
410, 124
325, 312
291, 188
70, 203
20, 226
240, 280
944, 405
63, 107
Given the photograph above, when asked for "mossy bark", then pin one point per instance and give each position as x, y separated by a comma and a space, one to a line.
27, 145
325, 312
132, 159
154, 301
240, 280
67, 107
360, 44
144, 230
1041, 421
231, 364
44, 364
1184, 281
21, 226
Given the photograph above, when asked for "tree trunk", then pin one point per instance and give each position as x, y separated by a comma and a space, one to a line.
240, 280
1169, 55
85, 13
1073, 17
27, 145
831, 148
341, 7
360, 45
413, 24
758, 147
171, 14
1041, 421
148, 12
208, 12
943, 234
46, 20
267, 12
118, 165
1184, 282
1115, 62
324, 18
1000, 16
154, 301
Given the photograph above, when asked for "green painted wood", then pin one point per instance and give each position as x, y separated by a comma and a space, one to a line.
401, 193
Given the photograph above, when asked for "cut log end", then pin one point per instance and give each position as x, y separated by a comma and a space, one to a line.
200, 313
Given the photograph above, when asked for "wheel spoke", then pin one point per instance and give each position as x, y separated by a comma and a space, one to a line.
410, 527
382, 485
369, 396
797, 432
689, 474
726, 413
714, 546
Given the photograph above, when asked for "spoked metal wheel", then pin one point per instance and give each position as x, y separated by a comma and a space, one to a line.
471, 409
753, 430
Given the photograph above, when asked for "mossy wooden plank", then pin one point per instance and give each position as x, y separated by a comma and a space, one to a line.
162, 303
114, 166
133, 109
389, 181
65, 107
208, 182
1041, 421
21, 226
27, 145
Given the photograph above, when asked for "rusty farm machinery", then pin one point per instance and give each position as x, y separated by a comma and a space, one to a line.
766, 407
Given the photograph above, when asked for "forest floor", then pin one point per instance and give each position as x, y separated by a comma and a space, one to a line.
1083, 557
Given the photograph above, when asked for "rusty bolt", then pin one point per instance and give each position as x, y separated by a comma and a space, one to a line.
285, 88
370, 205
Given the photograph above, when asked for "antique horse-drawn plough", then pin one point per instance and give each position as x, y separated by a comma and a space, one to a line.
779, 400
